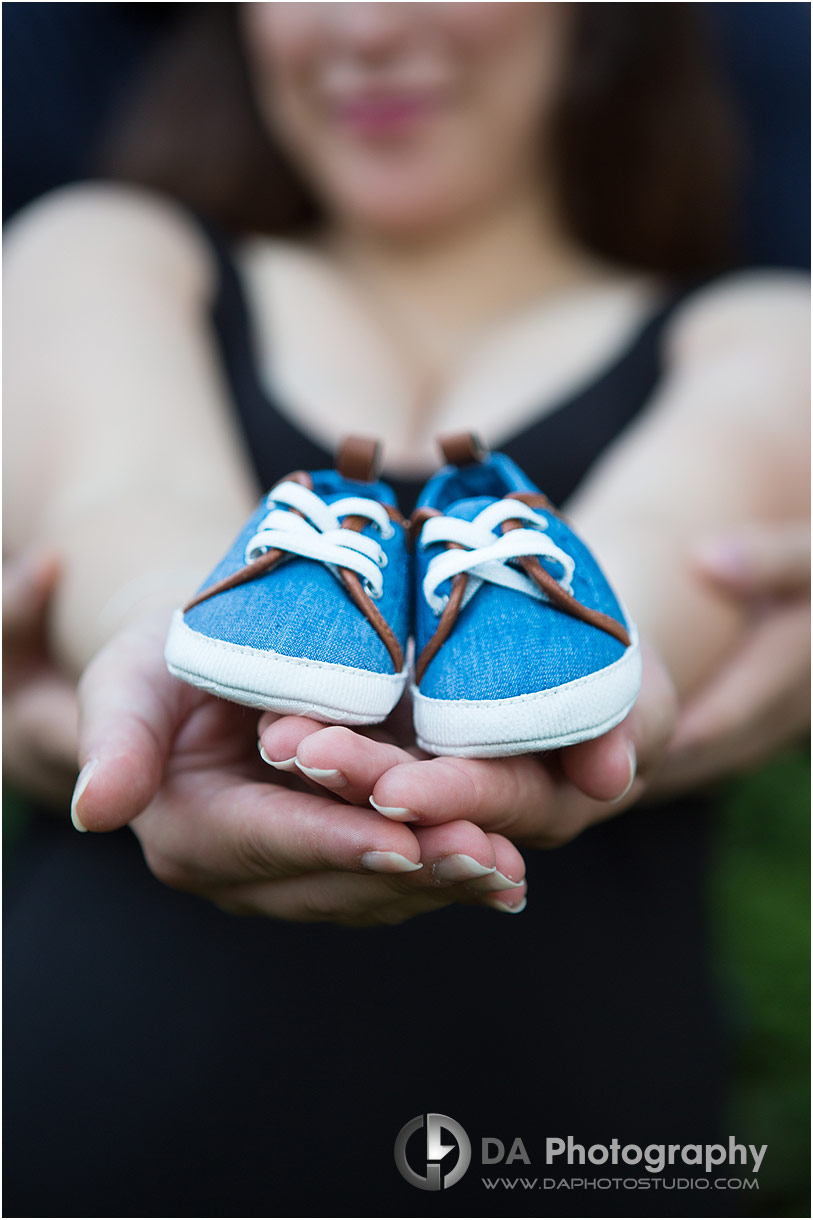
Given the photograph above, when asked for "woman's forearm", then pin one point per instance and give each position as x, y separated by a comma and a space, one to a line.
121, 455
724, 443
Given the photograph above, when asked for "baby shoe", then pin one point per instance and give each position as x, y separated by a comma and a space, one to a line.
309, 611
520, 642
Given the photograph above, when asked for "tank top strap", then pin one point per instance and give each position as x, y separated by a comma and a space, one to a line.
563, 444
274, 443
557, 449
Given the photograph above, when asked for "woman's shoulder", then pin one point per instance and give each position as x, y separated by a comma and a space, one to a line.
739, 348
95, 231
764, 305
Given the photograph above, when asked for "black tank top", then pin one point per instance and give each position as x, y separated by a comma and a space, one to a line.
556, 451
223, 1066
605, 971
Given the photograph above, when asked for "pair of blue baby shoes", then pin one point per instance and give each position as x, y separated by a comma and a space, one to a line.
520, 642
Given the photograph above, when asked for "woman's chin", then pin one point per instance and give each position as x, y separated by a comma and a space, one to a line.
404, 211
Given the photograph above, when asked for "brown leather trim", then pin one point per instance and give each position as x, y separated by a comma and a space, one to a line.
359, 458
260, 565
265, 563
530, 563
257, 567
563, 600
418, 521
444, 629
395, 515
462, 448
367, 606
371, 612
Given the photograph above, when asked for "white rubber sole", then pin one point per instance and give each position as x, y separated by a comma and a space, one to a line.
276, 683
546, 720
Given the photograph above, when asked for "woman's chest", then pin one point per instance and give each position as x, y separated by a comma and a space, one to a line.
330, 362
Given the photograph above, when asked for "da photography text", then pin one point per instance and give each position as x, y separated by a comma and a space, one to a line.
433, 1152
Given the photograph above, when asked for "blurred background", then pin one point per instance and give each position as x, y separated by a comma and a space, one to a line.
66, 68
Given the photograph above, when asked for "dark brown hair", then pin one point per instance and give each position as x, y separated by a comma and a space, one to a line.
642, 138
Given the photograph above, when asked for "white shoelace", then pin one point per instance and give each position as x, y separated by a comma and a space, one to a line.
487, 554
318, 533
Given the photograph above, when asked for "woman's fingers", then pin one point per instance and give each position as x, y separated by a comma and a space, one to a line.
337, 758
761, 560
605, 769
331, 897
207, 828
40, 739
758, 701
129, 711
280, 736
28, 585
526, 798
462, 853
336, 898
498, 793
368, 901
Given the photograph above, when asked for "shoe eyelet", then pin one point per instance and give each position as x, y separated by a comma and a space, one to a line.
382, 560
254, 553
371, 592
385, 532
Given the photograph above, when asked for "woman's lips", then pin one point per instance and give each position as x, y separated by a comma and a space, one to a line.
391, 114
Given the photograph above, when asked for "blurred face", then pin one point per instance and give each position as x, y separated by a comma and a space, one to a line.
406, 117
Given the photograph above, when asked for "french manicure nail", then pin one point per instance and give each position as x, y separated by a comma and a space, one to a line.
330, 777
633, 772
286, 764
388, 862
82, 783
498, 905
495, 883
460, 868
395, 812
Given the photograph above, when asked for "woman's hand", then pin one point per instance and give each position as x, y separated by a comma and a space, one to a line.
183, 769
39, 702
541, 801
759, 699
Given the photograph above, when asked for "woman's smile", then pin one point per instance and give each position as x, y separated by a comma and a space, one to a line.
377, 114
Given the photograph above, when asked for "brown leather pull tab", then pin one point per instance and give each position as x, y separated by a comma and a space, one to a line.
462, 448
359, 458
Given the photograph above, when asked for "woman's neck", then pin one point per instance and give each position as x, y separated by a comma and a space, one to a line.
435, 296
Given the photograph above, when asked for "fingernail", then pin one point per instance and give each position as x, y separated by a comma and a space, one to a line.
388, 862
497, 904
286, 764
495, 883
82, 782
395, 813
460, 868
329, 777
633, 772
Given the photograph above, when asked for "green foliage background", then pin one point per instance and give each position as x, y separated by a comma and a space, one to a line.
760, 902
761, 911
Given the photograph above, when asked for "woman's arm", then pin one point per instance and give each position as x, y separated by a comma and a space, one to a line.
725, 443
120, 454
121, 458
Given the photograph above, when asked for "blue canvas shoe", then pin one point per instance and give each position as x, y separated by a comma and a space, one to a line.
309, 612
521, 643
